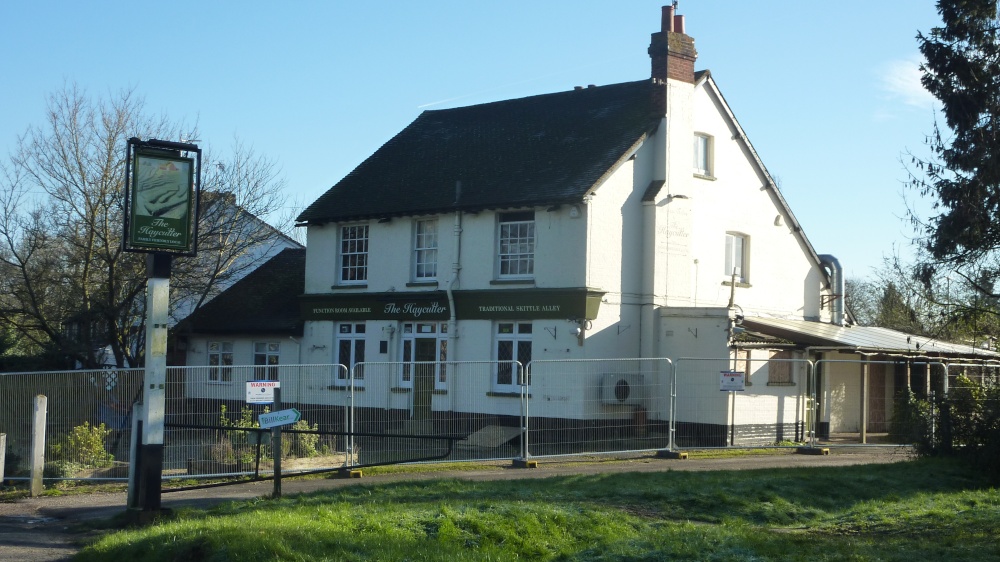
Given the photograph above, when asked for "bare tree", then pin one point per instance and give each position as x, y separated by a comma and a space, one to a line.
232, 237
67, 284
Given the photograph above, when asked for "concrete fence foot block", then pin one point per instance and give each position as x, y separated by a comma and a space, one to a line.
680, 455
350, 473
525, 463
813, 451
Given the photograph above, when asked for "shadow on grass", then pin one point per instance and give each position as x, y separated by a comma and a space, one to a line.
793, 513
777, 497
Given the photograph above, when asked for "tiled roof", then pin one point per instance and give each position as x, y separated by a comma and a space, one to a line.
534, 151
265, 301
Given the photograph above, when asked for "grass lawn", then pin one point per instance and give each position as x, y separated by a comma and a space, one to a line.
913, 511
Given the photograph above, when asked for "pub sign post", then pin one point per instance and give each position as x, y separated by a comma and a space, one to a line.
162, 192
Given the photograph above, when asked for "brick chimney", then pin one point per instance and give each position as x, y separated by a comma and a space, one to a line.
672, 52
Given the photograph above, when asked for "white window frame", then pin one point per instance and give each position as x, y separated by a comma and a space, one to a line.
516, 245
266, 358
704, 149
519, 339
353, 254
411, 331
353, 335
737, 255
425, 250
221, 370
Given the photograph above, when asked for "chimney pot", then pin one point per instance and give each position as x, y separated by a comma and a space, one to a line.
678, 24
667, 19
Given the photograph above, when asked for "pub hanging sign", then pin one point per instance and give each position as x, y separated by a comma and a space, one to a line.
162, 197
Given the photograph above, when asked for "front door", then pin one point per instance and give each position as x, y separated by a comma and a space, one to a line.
423, 379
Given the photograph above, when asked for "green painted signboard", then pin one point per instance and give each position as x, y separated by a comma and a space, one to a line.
377, 306
528, 304
162, 200
498, 304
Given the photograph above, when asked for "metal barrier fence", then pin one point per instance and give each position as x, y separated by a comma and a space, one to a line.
859, 400
217, 396
392, 412
592, 406
775, 407
88, 422
403, 411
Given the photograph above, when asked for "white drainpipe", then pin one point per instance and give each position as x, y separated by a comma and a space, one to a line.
837, 281
456, 268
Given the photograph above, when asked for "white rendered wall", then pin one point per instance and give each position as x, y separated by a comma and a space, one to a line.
784, 280
197, 384
842, 382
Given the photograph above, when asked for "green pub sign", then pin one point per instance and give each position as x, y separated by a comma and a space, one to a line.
162, 197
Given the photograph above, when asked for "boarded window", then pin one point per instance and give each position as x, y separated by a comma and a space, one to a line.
779, 369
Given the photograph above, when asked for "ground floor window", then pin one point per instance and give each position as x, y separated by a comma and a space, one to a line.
513, 353
220, 359
424, 342
350, 346
265, 356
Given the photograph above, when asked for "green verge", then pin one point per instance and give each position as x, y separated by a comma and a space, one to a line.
927, 509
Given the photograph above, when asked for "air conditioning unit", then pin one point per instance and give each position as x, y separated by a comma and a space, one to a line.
622, 390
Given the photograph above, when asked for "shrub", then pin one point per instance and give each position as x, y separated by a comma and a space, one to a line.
300, 444
912, 422
238, 446
84, 445
61, 469
963, 423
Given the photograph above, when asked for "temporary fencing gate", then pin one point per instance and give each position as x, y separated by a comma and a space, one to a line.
392, 412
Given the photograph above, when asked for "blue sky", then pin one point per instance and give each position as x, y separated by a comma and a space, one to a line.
828, 93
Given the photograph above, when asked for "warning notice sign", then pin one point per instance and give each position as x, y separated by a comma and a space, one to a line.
732, 381
261, 392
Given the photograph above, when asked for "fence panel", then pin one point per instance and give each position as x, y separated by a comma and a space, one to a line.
592, 406
217, 396
405, 412
965, 416
864, 402
773, 409
88, 427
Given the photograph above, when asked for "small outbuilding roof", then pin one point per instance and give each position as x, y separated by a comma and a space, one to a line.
862, 339
265, 301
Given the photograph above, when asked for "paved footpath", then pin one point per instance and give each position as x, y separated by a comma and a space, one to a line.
53, 528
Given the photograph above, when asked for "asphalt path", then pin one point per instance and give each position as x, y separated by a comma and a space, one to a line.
56, 527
